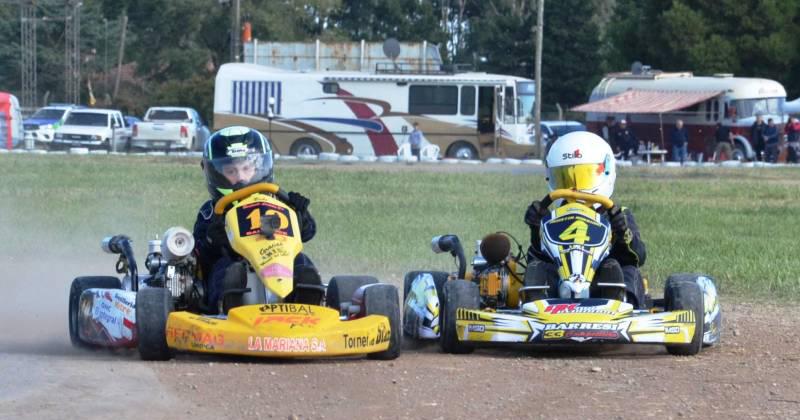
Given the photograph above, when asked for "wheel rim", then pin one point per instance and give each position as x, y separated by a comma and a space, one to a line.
464, 152
306, 149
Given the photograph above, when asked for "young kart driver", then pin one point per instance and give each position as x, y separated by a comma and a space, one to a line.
234, 158
582, 161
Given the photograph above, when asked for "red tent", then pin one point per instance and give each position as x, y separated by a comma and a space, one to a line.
5, 115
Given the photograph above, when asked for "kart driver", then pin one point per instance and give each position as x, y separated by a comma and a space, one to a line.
233, 158
582, 161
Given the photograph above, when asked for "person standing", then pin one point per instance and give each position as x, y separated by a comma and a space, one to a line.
625, 140
757, 136
771, 140
724, 139
415, 140
793, 139
680, 140
609, 130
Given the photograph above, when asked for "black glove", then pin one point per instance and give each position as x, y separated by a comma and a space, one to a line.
535, 214
215, 234
298, 202
619, 223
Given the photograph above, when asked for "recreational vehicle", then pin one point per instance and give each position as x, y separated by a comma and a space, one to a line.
468, 115
652, 101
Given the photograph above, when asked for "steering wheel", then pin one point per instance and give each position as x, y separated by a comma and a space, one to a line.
263, 187
576, 195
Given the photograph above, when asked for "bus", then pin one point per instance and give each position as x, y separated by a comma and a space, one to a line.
468, 115
652, 101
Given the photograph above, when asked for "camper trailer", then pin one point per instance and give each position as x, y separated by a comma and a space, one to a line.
467, 115
652, 101
11, 131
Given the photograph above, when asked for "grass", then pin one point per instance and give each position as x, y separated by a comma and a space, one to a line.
737, 225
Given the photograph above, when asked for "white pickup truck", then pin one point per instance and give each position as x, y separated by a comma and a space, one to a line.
170, 128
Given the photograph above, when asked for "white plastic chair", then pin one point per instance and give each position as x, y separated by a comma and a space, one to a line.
404, 152
429, 152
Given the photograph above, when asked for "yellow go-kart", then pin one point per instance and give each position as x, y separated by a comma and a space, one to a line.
163, 311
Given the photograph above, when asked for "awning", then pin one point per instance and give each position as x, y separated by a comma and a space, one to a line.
647, 101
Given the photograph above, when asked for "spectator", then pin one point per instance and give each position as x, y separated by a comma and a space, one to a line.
771, 141
757, 136
680, 140
724, 139
793, 138
415, 140
625, 140
608, 130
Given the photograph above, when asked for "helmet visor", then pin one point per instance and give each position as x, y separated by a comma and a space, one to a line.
584, 177
236, 172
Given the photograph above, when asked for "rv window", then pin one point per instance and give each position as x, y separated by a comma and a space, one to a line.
509, 106
441, 100
468, 100
330, 87
716, 110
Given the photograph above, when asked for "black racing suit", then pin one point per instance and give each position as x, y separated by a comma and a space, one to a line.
627, 252
214, 258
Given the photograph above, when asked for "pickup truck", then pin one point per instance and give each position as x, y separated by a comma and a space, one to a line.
93, 128
170, 128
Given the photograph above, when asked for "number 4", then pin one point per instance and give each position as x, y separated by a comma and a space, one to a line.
576, 231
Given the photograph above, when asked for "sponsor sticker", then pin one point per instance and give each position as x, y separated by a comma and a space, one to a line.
286, 345
284, 308
292, 320
381, 335
478, 328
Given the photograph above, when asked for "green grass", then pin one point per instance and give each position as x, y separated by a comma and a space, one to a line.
737, 225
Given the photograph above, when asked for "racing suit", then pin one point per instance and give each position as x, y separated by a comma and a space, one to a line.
214, 255
628, 253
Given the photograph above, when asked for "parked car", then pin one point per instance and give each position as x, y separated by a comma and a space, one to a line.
11, 130
95, 128
41, 126
551, 130
170, 128
131, 120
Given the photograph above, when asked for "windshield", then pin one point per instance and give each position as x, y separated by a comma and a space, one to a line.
753, 107
526, 99
85, 118
48, 114
165, 115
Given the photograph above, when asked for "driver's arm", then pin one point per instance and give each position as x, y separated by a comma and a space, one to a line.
629, 249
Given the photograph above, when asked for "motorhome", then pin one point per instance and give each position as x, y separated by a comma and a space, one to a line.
468, 115
652, 101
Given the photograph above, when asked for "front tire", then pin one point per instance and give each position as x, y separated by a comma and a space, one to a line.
685, 295
341, 289
305, 146
382, 299
439, 279
153, 306
462, 150
79, 285
457, 294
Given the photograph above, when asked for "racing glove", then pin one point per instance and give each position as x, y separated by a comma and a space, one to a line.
619, 224
535, 214
215, 234
298, 202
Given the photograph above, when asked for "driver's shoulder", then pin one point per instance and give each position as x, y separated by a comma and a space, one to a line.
206, 210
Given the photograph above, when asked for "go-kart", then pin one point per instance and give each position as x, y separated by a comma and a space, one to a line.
501, 301
267, 309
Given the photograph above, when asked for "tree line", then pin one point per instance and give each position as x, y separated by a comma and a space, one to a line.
174, 48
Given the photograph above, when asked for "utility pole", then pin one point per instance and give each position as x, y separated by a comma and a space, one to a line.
537, 107
105, 56
121, 53
28, 43
236, 33
72, 51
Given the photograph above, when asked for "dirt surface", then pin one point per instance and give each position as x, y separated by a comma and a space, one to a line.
753, 374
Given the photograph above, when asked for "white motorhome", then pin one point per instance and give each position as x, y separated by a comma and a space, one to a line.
468, 115
652, 101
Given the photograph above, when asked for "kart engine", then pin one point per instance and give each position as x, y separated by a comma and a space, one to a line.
494, 269
172, 265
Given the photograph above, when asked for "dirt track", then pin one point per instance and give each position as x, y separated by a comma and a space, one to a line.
753, 374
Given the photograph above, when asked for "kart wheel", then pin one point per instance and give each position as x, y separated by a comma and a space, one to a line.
79, 285
439, 279
153, 306
457, 294
683, 295
341, 289
382, 299
712, 312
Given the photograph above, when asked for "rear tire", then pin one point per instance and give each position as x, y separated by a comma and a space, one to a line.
685, 295
382, 299
341, 289
457, 294
79, 285
305, 146
462, 150
153, 306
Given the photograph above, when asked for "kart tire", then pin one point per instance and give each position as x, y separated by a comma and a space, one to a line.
341, 288
382, 299
153, 306
457, 294
682, 295
439, 279
79, 285
716, 324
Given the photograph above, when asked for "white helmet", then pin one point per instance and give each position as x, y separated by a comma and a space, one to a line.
581, 161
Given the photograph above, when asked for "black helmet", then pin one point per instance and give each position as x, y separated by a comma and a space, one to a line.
234, 158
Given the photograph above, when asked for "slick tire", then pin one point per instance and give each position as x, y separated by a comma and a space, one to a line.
79, 285
714, 327
439, 279
685, 295
382, 299
457, 294
341, 288
153, 306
